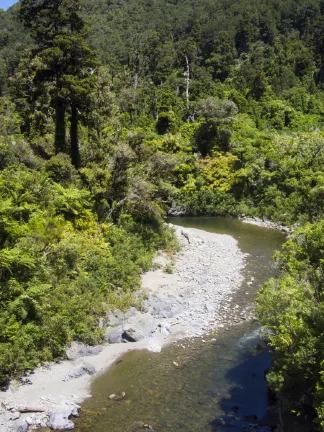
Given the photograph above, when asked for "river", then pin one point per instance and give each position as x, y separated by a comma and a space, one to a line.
212, 384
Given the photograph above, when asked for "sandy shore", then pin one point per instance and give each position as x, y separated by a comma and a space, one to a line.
185, 296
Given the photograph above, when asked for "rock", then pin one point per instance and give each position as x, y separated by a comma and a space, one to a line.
19, 426
140, 326
12, 416
138, 425
29, 420
166, 314
217, 422
127, 337
15, 416
208, 308
131, 312
164, 308
175, 364
79, 349
164, 329
117, 398
75, 410
59, 418
115, 318
251, 418
114, 334
85, 369
115, 326
175, 212
153, 346
5, 384
24, 381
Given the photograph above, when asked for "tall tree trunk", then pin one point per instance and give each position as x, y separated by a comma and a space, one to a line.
137, 69
156, 110
75, 155
60, 143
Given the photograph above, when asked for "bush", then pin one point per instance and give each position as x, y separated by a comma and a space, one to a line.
208, 202
60, 169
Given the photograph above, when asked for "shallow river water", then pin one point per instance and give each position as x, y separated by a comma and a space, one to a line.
211, 384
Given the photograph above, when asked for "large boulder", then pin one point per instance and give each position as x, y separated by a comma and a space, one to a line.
135, 327
84, 369
79, 349
140, 326
60, 417
114, 334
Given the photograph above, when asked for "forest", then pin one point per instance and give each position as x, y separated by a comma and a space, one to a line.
114, 113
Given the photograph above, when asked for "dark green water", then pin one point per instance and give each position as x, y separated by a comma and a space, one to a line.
216, 384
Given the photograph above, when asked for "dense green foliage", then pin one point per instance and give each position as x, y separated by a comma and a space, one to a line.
292, 308
60, 269
212, 107
62, 265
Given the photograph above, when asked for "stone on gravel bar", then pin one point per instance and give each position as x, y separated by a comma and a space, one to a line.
59, 418
79, 349
19, 426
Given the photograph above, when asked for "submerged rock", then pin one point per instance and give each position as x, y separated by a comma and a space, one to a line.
271, 418
251, 418
117, 398
138, 425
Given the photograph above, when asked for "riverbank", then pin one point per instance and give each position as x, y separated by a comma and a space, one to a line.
185, 296
264, 223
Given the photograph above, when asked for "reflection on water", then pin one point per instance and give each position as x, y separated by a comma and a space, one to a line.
212, 384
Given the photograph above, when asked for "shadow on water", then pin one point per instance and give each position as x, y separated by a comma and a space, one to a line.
246, 402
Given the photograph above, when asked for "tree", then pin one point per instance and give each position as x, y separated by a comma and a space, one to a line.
317, 39
216, 130
66, 62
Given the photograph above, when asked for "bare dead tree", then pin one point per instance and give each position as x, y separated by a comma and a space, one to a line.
187, 77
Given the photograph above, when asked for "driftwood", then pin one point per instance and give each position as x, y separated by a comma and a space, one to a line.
30, 409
